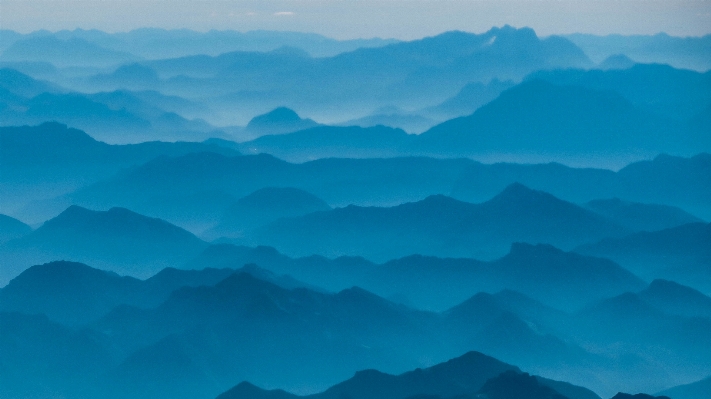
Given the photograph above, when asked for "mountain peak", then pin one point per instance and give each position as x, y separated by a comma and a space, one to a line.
277, 115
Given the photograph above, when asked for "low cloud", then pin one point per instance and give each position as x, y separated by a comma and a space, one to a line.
282, 13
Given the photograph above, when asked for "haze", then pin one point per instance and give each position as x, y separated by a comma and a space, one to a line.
354, 19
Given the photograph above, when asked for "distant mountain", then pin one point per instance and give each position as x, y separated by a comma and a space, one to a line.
413, 123
537, 117
674, 298
543, 272
469, 99
680, 52
265, 206
512, 385
23, 85
406, 74
154, 43
49, 160
666, 179
660, 89
75, 294
117, 240
11, 228
689, 391
332, 141
616, 61
438, 226
680, 254
467, 374
278, 121
641, 217
126, 77
64, 53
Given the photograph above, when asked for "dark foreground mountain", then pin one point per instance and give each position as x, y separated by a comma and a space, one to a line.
117, 240
438, 226
681, 254
466, 375
637, 396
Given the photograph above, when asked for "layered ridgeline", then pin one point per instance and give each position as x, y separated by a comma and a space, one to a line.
560, 114
151, 188
679, 253
139, 339
152, 43
469, 374
117, 239
119, 116
438, 226
42, 162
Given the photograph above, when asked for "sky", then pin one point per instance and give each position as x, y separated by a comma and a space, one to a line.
348, 19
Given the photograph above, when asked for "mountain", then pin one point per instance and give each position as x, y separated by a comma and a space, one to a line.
256, 321
641, 217
681, 52
694, 390
22, 85
680, 254
49, 160
511, 385
11, 228
41, 358
64, 53
117, 240
674, 298
155, 43
463, 375
543, 272
438, 226
75, 294
410, 75
332, 141
616, 61
665, 179
469, 99
537, 117
278, 121
637, 396
127, 76
393, 117
659, 89
265, 206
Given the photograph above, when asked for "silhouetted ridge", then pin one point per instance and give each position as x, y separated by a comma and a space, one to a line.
245, 390
277, 115
621, 395
516, 385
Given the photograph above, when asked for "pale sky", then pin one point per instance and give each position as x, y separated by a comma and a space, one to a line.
346, 19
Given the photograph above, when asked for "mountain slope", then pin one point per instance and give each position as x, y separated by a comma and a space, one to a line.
117, 240
542, 118
689, 391
11, 228
463, 375
680, 254
264, 206
438, 226
641, 217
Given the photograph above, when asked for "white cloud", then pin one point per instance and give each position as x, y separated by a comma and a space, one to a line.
284, 13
